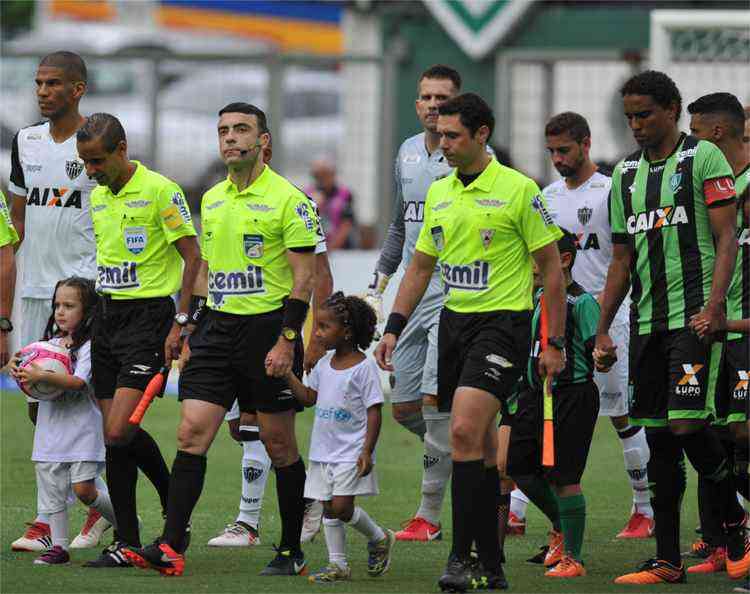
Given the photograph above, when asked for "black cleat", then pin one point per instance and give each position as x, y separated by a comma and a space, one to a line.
457, 574
112, 556
286, 563
158, 556
481, 579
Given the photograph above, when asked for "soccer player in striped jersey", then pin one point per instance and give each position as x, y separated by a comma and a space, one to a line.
578, 202
672, 213
719, 118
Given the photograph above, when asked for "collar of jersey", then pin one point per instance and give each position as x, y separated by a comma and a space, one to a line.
485, 180
134, 183
258, 187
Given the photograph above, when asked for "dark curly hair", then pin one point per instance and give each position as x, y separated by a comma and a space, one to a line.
89, 298
658, 86
355, 313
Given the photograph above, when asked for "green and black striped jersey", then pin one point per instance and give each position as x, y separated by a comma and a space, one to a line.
660, 210
738, 297
580, 333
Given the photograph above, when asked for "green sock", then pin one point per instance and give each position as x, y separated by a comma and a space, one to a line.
573, 520
537, 489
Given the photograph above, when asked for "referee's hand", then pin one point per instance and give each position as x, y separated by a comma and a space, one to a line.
280, 358
384, 351
172, 345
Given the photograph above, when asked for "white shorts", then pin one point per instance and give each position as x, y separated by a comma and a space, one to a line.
54, 480
327, 479
34, 316
415, 358
233, 413
613, 385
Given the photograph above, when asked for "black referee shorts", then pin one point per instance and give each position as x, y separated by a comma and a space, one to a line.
127, 342
227, 360
487, 350
576, 407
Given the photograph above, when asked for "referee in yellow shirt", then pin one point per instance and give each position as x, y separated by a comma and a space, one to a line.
482, 224
144, 235
258, 249
8, 238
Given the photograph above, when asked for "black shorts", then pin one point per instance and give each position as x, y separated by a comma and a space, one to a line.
576, 408
227, 361
127, 342
735, 393
488, 351
673, 375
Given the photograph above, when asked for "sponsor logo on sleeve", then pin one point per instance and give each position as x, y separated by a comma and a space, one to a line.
537, 203
171, 217
304, 212
179, 201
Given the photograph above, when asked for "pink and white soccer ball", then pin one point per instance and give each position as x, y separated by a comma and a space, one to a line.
49, 357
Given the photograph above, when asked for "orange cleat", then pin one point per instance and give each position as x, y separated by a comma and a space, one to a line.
654, 571
516, 525
158, 556
740, 566
638, 526
700, 549
556, 549
714, 563
419, 529
567, 568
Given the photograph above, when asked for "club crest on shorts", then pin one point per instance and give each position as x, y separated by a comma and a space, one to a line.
486, 235
438, 238
136, 239
253, 246
73, 168
674, 181
584, 214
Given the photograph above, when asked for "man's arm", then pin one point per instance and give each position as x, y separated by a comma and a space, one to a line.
7, 288
410, 292
547, 258
321, 291
18, 216
280, 358
188, 248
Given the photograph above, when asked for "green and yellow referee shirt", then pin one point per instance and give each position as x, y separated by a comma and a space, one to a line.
135, 229
245, 239
482, 236
8, 235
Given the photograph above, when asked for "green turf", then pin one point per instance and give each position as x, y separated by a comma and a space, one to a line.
415, 567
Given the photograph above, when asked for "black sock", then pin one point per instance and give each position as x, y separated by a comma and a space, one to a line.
707, 455
122, 478
666, 473
466, 490
487, 535
503, 511
712, 531
150, 461
290, 488
741, 478
185, 486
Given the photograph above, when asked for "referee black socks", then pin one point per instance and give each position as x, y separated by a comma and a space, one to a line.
290, 490
150, 461
487, 536
185, 486
466, 490
122, 477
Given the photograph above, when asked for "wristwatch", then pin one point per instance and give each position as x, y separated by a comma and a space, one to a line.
290, 334
6, 325
557, 342
181, 319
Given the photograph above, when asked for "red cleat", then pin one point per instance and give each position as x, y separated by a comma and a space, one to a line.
715, 562
419, 529
639, 526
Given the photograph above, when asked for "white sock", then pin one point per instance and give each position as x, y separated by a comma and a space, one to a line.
103, 505
335, 541
43, 518
518, 503
58, 525
437, 464
101, 485
636, 454
255, 468
365, 525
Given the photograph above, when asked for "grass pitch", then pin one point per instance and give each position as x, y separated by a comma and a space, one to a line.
415, 567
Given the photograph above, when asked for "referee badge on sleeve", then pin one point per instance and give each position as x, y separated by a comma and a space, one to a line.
253, 246
438, 238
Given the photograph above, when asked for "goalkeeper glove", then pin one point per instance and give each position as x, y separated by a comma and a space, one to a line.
375, 290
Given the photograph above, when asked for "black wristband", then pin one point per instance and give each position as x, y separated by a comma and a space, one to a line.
197, 308
395, 324
295, 312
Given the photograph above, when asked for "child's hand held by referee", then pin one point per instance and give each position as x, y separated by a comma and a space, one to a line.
605, 353
280, 357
